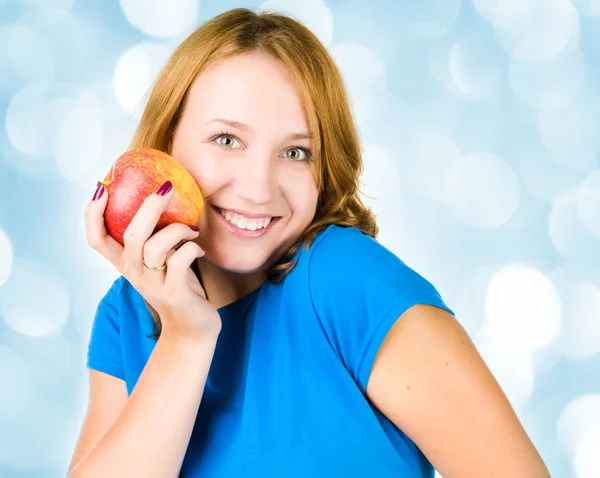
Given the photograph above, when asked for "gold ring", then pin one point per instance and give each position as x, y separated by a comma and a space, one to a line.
153, 268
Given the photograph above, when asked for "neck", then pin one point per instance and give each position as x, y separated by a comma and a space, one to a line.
224, 287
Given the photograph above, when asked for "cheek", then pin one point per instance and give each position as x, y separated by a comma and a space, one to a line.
208, 176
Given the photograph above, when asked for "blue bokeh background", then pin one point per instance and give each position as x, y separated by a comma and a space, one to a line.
480, 121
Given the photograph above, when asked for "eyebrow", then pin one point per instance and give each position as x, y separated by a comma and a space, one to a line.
245, 127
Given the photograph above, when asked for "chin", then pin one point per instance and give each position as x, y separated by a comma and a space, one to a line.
241, 263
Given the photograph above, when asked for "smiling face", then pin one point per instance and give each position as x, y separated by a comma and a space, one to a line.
242, 137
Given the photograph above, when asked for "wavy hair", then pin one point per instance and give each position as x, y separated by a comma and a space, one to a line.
338, 154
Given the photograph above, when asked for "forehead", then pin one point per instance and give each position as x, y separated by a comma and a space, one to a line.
252, 88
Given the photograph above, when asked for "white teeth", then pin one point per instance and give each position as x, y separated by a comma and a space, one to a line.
242, 222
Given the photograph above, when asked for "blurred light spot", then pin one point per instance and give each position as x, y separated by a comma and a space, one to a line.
470, 304
482, 190
134, 74
30, 53
35, 115
569, 237
360, 22
585, 461
587, 7
15, 393
576, 420
363, 74
429, 158
523, 307
571, 134
424, 20
547, 85
79, 142
49, 5
75, 37
588, 202
315, 14
380, 176
159, 18
541, 34
511, 366
580, 334
475, 64
35, 299
504, 13
544, 178
6, 257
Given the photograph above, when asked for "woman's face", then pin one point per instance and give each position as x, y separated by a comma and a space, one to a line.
243, 137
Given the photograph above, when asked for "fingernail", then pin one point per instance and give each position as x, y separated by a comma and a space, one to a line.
194, 228
99, 191
165, 188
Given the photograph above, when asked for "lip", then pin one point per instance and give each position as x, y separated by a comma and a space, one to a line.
240, 232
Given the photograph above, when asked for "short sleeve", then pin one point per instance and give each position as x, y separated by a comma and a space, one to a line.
359, 289
104, 348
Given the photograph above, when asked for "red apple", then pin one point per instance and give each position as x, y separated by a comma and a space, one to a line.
140, 172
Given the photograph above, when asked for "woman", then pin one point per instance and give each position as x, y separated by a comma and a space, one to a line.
280, 340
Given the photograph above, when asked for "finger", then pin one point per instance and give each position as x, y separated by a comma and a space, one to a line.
143, 224
179, 263
157, 246
95, 229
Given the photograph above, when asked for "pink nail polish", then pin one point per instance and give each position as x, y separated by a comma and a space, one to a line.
99, 192
165, 188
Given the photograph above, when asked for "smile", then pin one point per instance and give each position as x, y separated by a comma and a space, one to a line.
245, 226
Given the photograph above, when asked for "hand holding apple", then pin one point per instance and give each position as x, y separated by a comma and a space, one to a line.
140, 172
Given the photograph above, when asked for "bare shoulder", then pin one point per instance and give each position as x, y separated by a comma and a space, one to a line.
429, 379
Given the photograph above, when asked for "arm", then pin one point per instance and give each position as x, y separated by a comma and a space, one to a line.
431, 382
150, 437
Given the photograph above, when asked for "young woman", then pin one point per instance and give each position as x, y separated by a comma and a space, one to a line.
281, 339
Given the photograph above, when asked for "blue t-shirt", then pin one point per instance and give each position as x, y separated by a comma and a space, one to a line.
285, 394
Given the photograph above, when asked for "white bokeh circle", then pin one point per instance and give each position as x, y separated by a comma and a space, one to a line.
588, 203
523, 307
568, 235
578, 418
545, 31
504, 13
429, 158
570, 133
35, 299
585, 461
6, 257
36, 113
425, 20
482, 190
79, 143
512, 366
580, 334
134, 74
159, 18
548, 85
364, 76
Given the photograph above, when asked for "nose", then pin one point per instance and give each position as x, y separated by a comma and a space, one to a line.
257, 179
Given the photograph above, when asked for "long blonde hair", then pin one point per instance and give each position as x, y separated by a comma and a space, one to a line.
337, 149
